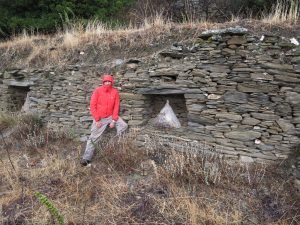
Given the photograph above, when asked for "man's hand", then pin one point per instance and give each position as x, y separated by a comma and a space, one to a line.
112, 124
98, 124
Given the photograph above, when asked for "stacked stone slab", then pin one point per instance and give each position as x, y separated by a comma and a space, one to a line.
241, 93
60, 97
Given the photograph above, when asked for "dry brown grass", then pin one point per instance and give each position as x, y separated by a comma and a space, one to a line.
200, 208
97, 42
6, 120
129, 185
285, 12
80, 42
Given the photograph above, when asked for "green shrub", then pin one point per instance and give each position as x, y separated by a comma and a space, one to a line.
53, 211
49, 15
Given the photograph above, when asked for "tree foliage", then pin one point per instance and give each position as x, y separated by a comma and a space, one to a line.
49, 15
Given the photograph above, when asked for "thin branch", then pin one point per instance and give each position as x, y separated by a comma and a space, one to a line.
8, 154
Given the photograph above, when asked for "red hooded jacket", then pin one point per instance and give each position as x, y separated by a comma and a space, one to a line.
105, 101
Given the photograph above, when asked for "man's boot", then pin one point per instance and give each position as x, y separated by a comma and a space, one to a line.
85, 162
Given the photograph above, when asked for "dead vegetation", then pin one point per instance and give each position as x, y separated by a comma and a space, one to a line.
284, 12
94, 43
97, 43
129, 185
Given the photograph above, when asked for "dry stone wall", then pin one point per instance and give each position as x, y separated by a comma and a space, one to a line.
235, 91
60, 97
242, 93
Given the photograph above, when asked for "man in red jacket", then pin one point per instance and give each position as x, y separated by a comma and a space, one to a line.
104, 106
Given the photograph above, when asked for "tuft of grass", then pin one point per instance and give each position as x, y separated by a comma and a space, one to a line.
6, 121
284, 12
199, 209
194, 162
121, 153
29, 131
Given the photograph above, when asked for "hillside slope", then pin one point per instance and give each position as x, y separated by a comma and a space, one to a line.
41, 182
98, 44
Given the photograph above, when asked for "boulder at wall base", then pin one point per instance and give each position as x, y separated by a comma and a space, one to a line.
243, 135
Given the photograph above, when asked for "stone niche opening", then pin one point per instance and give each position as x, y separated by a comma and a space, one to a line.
17, 97
157, 102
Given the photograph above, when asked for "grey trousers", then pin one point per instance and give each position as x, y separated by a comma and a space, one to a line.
96, 132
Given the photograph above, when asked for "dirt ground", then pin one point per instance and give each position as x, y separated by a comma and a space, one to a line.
129, 185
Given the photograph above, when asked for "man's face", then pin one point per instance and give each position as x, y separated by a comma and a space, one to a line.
107, 83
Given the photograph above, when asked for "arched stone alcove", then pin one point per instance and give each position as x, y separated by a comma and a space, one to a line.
16, 96
154, 103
